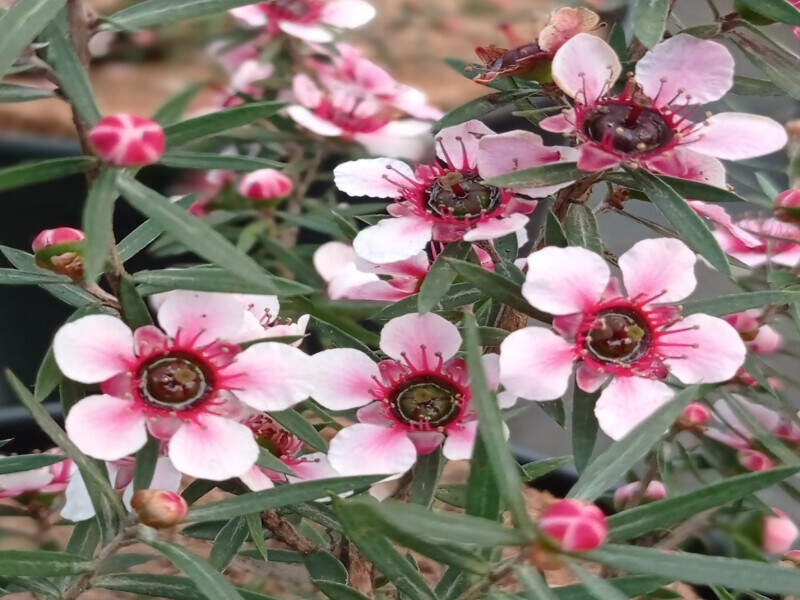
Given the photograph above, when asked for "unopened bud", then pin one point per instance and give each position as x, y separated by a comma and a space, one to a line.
625, 495
266, 184
60, 250
575, 525
159, 508
127, 140
787, 206
793, 556
754, 460
779, 533
696, 413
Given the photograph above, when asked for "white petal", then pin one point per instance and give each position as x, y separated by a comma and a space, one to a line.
363, 449
393, 239
213, 448
627, 401
94, 348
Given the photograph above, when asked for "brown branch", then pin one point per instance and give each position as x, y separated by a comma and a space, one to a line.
284, 532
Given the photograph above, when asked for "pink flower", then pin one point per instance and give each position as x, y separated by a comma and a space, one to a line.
410, 404
350, 277
55, 237
265, 184
355, 115
447, 200
732, 431
696, 413
624, 496
635, 339
759, 338
288, 449
777, 242
127, 140
779, 532
309, 20
650, 123
45, 480
754, 460
187, 384
575, 525
60, 250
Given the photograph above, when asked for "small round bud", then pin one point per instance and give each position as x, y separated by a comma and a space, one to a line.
787, 206
127, 140
265, 184
779, 533
625, 495
60, 250
696, 413
575, 525
159, 508
794, 556
754, 460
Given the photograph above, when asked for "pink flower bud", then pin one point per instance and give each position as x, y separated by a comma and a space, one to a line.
59, 235
127, 140
575, 525
787, 206
265, 184
794, 556
60, 250
755, 460
625, 495
779, 533
696, 413
159, 508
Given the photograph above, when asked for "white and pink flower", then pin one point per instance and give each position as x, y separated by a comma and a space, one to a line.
51, 479
650, 122
758, 336
309, 20
410, 404
447, 201
127, 140
634, 339
187, 383
776, 242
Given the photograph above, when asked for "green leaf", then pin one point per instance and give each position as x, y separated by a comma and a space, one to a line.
643, 519
84, 539
66, 292
747, 86
685, 187
227, 543
534, 470
16, 277
581, 228
31, 172
425, 477
155, 13
777, 10
439, 279
164, 586
27, 462
598, 588
255, 529
267, 460
134, 308
479, 107
10, 92
145, 234
616, 39
223, 120
185, 159
38, 563
554, 233
650, 20
294, 422
779, 65
584, 426
98, 222
499, 288
545, 175
460, 294
174, 108
211, 279
481, 497
608, 468
120, 563
146, 459
632, 587
733, 303
491, 430
20, 25
693, 230
209, 582
193, 233
324, 566
338, 591
697, 568
283, 495
339, 337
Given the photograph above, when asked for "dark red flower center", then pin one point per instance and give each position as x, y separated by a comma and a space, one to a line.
426, 401
629, 127
291, 10
462, 196
176, 381
351, 119
273, 437
619, 335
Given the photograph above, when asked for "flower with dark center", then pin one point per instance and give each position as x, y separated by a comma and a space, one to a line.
635, 339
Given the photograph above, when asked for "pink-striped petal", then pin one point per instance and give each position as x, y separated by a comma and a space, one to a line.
738, 136
201, 316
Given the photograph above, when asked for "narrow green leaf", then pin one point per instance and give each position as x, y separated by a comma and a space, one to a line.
338, 335
31, 172
98, 221
482, 493
156, 13
533, 584
439, 279
185, 159
134, 309
227, 543
145, 234
584, 426
146, 459
748, 86
685, 187
27, 462
294, 422
460, 294
39, 563
733, 303
545, 175
20, 25
425, 477
338, 591
173, 109
256, 531
650, 20
581, 228
10, 92
534, 470
211, 279
633, 587
480, 107
616, 39
66, 292
608, 468
453, 583
84, 539
16, 277
267, 460
693, 230
120, 563
779, 65
324, 566
163, 586
777, 10
223, 120
554, 233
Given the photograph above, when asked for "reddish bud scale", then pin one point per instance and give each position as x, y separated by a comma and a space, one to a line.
159, 508
126, 140
575, 525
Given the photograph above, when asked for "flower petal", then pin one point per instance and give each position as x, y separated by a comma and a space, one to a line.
460, 441
331, 258
589, 379
363, 449
271, 376
404, 138
105, 427
347, 14
213, 448
627, 401
78, 504
594, 158
560, 123
343, 378
674, 70
713, 350
491, 229
393, 239
563, 281
584, 66
373, 177
659, 265
685, 164
305, 118
94, 348
458, 145
312, 466
737, 136
308, 33
256, 479
536, 364
419, 338
201, 316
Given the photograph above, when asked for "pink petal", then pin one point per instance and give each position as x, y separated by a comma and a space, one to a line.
373, 177
343, 378
406, 138
271, 376
347, 14
374, 414
256, 479
306, 91
585, 66
393, 239
659, 265
213, 448
594, 158
766, 417
331, 258
563, 281
94, 348
105, 427
312, 466
536, 364
685, 164
718, 354
673, 69
458, 145
363, 449
149, 340
418, 338
627, 401
203, 316
766, 341
425, 441
305, 118
460, 441
78, 504
737, 136
252, 16
308, 33
589, 379
491, 369
560, 123
716, 213
491, 229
